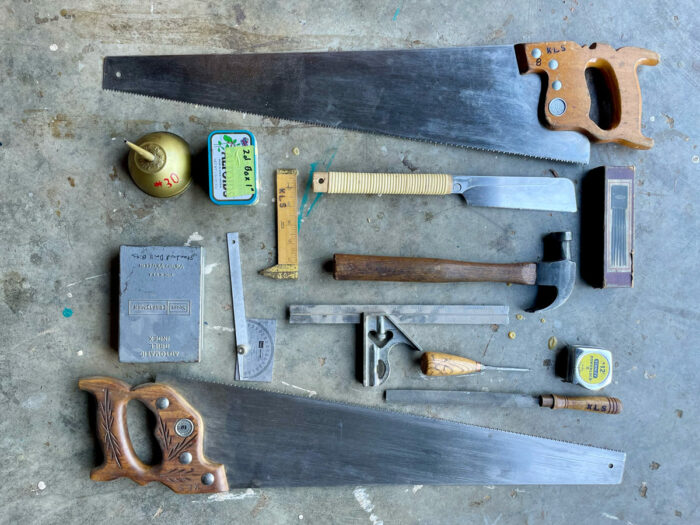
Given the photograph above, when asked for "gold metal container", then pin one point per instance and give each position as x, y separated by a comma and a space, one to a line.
159, 163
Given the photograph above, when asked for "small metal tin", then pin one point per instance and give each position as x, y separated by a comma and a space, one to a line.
589, 367
233, 167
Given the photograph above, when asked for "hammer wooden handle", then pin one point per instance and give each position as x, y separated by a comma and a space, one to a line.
413, 269
382, 183
603, 405
437, 364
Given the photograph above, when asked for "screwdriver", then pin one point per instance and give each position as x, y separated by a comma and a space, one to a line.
439, 364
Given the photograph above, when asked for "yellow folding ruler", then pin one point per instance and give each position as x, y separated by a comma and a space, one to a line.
287, 266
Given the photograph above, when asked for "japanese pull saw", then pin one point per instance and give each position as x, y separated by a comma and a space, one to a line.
215, 436
479, 97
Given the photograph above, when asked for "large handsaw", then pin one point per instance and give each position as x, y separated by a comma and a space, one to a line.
478, 97
215, 436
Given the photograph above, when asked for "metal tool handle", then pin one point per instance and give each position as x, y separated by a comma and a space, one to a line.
382, 183
436, 364
600, 404
413, 269
179, 431
567, 100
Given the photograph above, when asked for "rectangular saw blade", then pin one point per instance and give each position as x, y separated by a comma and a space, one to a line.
267, 439
473, 96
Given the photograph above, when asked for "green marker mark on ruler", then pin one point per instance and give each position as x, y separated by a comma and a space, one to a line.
240, 169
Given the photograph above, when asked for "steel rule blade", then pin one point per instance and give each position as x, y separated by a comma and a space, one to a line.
270, 439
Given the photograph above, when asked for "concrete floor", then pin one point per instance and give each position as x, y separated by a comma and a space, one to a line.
68, 203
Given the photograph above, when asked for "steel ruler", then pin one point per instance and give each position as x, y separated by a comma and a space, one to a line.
255, 338
287, 266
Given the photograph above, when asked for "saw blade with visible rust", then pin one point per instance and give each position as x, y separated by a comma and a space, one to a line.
472, 96
267, 439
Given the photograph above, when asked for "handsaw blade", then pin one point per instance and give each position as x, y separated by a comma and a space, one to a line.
271, 439
524, 193
473, 96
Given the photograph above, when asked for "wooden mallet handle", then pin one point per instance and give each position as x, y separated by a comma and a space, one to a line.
600, 404
414, 269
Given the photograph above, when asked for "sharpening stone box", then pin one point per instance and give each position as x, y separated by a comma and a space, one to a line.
160, 304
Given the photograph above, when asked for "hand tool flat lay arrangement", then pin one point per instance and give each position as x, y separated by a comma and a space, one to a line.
481, 97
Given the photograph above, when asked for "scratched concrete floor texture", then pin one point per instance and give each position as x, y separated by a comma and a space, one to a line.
67, 204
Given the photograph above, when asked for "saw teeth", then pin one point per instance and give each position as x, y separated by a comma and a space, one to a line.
370, 132
381, 408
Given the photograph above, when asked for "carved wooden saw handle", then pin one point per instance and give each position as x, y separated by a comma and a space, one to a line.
179, 431
567, 100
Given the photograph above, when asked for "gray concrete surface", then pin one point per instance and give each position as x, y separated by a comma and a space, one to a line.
67, 203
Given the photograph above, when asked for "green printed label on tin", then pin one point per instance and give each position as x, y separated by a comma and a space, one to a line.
239, 171
232, 168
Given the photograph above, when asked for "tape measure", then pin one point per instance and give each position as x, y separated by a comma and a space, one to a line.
589, 367
287, 266
233, 167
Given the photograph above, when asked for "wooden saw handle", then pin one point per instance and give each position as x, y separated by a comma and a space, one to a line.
179, 431
382, 183
437, 364
604, 405
567, 108
414, 269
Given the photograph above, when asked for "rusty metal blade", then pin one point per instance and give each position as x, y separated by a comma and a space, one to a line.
473, 96
267, 439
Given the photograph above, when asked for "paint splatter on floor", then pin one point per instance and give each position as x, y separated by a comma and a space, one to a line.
67, 312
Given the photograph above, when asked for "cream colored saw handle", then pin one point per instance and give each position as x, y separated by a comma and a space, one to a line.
382, 183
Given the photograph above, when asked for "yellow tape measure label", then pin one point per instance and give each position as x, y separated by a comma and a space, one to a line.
593, 368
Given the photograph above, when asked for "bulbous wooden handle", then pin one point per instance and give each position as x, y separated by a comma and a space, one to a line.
567, 101
603, 405
438, 364
414, 269
179, 431
382, 183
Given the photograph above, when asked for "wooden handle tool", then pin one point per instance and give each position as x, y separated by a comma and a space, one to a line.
436, 364
414, 269
567, 100
179, 431
382, 183
604, 405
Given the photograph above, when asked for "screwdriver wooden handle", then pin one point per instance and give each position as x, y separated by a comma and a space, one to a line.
414, 269
604, 405
438, 364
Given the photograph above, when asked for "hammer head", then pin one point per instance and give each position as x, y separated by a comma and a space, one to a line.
556, 274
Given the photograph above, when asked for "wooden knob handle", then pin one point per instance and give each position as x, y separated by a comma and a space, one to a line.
413, 269
603, 405
382, 183
567, 108
438, 364
179, 431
